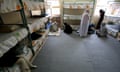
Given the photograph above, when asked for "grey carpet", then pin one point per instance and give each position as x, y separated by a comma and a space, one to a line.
70, 53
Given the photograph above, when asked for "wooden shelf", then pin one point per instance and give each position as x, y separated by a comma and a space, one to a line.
9, 16
1, 13
73, 11
39, 46
72, 22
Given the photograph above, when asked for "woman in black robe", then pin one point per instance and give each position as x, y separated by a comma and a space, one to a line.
102, 13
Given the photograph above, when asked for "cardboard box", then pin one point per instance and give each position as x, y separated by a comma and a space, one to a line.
8, 28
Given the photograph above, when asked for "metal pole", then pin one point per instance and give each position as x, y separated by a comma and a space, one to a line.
25, 24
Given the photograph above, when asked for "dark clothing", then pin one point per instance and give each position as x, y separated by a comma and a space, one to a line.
91, 29
100, 19
68, 28
10, 57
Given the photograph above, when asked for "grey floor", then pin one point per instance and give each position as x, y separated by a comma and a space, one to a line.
70, 53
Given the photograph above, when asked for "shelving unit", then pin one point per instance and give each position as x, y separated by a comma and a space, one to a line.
13, 33
40, 43
73, 10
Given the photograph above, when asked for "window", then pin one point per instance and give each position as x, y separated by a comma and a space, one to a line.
101, 4
54, 7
